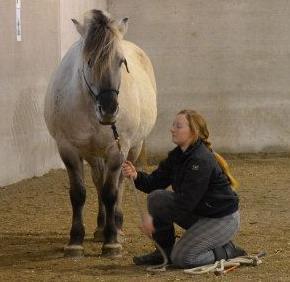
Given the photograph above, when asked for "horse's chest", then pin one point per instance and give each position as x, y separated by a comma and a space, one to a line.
93, 145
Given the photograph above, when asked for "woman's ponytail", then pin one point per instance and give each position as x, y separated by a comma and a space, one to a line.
225, 167
223, 164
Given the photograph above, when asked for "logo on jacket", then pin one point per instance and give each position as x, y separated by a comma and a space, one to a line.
195, 167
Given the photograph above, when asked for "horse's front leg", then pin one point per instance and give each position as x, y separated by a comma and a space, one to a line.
74, 166
110, 194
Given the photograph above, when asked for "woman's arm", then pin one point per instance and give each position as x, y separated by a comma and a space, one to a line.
160, 178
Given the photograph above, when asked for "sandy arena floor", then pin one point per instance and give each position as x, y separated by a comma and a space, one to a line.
35, 219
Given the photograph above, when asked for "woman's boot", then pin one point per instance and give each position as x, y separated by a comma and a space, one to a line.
153, 258
228, 251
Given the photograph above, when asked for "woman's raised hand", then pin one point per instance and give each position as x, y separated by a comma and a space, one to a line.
129, 170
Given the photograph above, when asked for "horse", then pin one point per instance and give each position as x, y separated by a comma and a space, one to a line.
102, 80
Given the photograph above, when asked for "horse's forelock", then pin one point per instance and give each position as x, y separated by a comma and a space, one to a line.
101, 41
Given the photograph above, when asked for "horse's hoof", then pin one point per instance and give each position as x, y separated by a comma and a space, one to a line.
99, 235
73, 251
112, 250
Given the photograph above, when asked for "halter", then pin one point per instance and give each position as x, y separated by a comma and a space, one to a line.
116, 137
92, 93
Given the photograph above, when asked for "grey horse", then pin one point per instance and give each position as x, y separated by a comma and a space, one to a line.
101, 81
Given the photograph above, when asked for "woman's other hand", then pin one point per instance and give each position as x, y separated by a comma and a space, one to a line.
147, 226
129, 170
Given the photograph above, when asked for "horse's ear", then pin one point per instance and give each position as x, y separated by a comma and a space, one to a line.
80, 28
123, 26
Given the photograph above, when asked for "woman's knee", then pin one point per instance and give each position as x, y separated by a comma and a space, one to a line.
159, 201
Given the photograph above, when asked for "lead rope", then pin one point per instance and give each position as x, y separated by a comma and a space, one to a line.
222, 267
155, 268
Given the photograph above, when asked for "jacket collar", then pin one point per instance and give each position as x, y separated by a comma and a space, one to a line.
192, 147
178, 155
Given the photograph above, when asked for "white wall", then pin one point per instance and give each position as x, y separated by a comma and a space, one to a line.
26, 149
229, 60
25, 69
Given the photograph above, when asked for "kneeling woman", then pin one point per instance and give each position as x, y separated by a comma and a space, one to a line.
202, 201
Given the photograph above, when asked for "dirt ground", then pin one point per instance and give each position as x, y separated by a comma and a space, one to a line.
35, 219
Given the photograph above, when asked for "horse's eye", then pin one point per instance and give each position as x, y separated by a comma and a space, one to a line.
90, 63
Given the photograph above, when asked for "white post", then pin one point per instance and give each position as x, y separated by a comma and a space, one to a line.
18, 20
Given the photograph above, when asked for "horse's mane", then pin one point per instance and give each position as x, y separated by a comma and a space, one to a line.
101, 42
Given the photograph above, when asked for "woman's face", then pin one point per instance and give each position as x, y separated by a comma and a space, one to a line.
181, 132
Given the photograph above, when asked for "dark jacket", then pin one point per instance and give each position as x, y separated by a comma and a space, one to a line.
200, 186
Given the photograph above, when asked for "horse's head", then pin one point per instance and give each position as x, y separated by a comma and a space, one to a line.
102, 61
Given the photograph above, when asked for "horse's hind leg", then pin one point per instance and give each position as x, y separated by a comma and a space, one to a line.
132, 156
119, 211
138, 154
74, 166
110, 195
98, 172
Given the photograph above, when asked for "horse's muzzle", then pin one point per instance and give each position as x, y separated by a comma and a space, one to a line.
107, 118
107, 123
